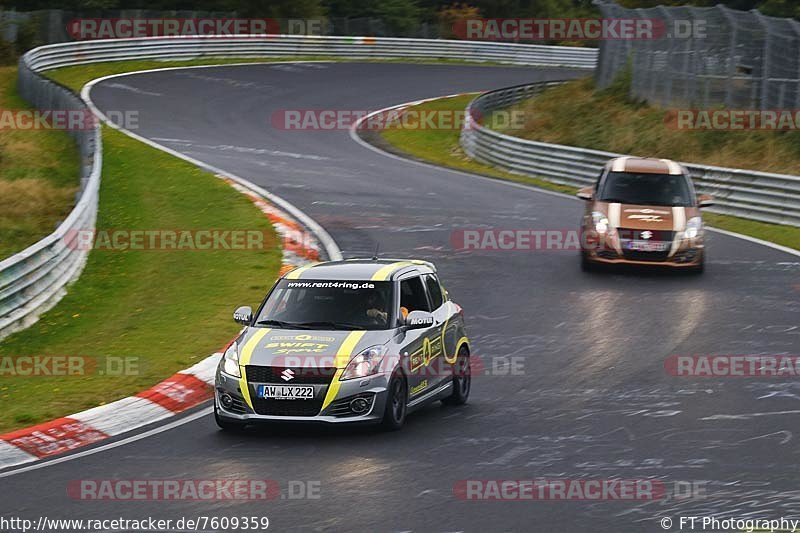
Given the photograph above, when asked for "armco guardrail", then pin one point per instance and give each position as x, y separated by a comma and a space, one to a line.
33, 280
756, 195
194, 47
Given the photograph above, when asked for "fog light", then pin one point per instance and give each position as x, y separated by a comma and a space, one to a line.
226, 400
359, 405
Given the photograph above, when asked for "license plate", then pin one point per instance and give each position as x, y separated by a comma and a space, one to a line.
648, 246
285, 392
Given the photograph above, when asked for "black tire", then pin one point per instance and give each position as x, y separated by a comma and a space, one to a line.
700, 267
227, 425
586, 265
462, 380
396, 409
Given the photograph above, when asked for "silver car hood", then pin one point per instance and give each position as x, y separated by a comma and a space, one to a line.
306, 348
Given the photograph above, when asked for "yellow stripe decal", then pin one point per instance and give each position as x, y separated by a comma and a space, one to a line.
295, 274
384, 273
244, 360
342, 358
461, 342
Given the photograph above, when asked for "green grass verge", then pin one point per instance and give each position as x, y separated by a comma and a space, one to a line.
167, 309
578, 115
38, 175
441, 147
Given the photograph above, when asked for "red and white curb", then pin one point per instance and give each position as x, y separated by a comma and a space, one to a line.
184, 390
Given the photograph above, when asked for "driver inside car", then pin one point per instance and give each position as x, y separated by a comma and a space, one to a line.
376, 308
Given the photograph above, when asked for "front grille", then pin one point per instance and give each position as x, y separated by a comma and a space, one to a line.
628, 234
664, 236
635, 255
302, 376
341, 408
287, 407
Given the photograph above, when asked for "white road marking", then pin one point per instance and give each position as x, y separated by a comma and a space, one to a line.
331, 248
333, 251
155, 431
132, 89
747, 416
10, 455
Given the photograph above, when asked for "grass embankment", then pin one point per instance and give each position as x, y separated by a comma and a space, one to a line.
167, 309
574, 114
38, 175
441, 146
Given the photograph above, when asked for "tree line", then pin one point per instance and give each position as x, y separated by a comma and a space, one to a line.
395, 13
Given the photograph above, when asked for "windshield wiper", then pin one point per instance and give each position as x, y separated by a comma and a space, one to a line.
614, 200
331, 325
280, 324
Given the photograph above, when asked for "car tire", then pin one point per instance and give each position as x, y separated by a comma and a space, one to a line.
462, 380
396, 409
586, 265
699, 268
227, 425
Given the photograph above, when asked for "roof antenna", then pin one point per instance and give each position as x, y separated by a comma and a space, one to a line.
375, 256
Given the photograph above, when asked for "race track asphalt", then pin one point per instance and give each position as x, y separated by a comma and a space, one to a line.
589, 396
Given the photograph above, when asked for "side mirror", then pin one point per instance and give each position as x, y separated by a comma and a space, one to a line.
243, 315
419, 320
585, 193
705, 200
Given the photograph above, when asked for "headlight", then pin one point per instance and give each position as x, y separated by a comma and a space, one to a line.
230, 361
600, 222
694, 227
364, 364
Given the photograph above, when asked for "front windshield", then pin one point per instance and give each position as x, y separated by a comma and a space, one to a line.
646, 189
328, 304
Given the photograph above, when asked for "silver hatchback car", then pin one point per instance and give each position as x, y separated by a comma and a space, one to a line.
343, 342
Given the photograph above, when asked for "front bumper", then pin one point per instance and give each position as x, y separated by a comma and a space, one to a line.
681, 253
694, 260
336, 411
